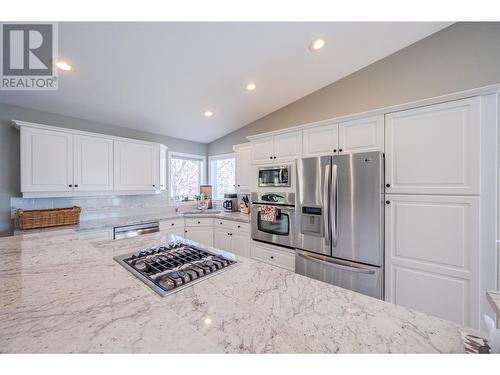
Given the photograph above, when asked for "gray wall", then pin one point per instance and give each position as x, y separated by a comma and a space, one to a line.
460, 57
9, 148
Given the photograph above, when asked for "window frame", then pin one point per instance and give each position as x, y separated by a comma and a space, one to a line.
211, 174
182, 155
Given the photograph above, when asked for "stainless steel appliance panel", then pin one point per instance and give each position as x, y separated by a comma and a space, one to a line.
353, 276
274, 176
280, 232
313, 205
356, 203
128, 231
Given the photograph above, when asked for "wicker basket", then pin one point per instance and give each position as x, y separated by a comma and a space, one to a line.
48, 218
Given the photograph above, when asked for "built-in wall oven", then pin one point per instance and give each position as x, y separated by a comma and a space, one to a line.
273, 218
274, 176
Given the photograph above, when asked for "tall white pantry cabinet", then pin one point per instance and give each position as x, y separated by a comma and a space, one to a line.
438, 208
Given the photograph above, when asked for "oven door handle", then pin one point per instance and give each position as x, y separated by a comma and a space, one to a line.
335, 264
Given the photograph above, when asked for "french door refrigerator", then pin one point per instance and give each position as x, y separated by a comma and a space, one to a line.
340, 221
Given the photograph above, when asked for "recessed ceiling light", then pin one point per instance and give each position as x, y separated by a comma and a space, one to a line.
63, 65
317, 44
251, 86
208, 113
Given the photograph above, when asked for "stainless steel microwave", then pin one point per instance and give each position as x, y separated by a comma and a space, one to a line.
274, 176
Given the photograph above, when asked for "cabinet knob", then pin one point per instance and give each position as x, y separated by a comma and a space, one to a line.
387, 202
275, 157
76, 185
154, 185
220, 223
270, 157
239, 226
199, 222
340, 150
185, 231
172, 224
388, 185
272, 256
334, 150
70, 185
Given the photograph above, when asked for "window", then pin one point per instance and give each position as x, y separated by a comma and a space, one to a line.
187, 173
222, 175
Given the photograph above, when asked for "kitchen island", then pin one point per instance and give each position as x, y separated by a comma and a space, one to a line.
61, 294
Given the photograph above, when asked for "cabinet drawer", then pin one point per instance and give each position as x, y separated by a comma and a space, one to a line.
198, 222
233, 225
280, 258
171, 224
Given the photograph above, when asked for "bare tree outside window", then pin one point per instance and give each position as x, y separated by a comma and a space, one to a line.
185, 176
223, 176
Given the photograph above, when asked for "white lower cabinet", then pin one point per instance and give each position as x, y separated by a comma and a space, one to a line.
222, 239
232, 236
432, 255
275, 255
172, 227
202, 234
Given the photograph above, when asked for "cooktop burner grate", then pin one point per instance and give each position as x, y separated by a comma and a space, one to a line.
171, 267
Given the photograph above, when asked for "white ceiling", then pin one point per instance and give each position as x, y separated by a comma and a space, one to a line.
160, 77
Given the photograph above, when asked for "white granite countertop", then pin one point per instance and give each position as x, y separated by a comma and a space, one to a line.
111, 222
493, 297
61, 294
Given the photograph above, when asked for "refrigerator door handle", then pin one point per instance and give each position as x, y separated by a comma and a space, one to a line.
334, 204
326, 205
333, 263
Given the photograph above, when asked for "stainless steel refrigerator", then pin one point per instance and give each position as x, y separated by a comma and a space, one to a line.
340, 221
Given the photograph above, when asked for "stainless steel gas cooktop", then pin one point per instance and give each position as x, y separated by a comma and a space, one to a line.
172, 267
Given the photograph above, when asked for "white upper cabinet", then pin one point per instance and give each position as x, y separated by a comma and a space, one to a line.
93, 163
62, 162
163, 167
262, 150
288, 146
434, 149
136, 165
243, 167
276, 149
361, 135
320, 140
46, 160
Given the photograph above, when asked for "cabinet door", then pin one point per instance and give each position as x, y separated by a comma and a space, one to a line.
202, 235
434, 149
93, 167
243, 168
222, 239
432, 255
174, 232
262, 150
288, 146
240, 243
136, 166
320, 140
163, 167
46, 160
362, 135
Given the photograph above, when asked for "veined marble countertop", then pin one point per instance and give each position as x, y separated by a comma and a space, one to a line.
493, 297
139, 219
61, 294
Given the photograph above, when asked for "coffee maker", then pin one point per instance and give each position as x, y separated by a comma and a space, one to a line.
230, 202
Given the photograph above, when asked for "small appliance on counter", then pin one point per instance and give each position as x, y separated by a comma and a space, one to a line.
230, 202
